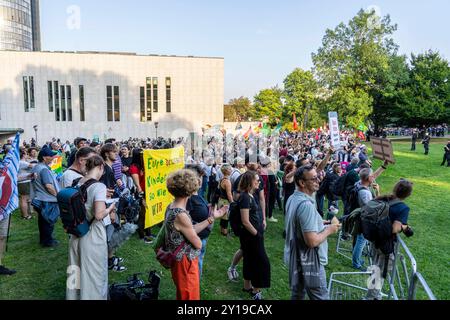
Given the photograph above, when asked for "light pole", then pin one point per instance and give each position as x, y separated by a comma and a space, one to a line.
156, 128
35, 133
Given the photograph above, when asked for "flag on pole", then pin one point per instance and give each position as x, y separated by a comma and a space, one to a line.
295, 123
361, 136
278, 128
266, 130
9, 171
248, 133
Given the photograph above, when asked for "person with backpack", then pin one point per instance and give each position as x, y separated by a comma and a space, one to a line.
326, 188
92, 265
397, 222
258, 195
78, 168
359, 196
256, 266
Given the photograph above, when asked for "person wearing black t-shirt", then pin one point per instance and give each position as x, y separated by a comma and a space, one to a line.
258, 195
256, 269
199, 211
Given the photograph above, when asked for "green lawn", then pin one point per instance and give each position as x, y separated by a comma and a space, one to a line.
42, 272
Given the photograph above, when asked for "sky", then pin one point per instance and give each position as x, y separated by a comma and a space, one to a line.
261, 41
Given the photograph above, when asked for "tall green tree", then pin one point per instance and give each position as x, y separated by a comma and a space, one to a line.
267, 103
238, 109
426, 99
352, 62
300, 92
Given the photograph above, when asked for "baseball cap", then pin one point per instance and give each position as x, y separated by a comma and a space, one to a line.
46, 152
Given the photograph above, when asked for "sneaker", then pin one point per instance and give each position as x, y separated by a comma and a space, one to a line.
272, 219
148, 240
118, 259
233, 275
256, 296
51, 244
6, 272
118, 268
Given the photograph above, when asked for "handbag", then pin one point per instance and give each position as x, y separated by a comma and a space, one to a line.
308, 262
167, 258
309, 266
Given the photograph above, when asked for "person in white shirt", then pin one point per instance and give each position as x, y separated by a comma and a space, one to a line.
78, 169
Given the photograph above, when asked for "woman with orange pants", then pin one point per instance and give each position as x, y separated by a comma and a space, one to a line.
181, 235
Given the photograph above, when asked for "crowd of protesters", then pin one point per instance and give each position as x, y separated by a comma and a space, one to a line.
296, 172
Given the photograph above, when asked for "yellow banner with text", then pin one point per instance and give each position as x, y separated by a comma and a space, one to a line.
158, 165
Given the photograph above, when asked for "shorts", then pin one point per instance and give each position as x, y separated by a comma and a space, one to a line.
24, 189
4, 227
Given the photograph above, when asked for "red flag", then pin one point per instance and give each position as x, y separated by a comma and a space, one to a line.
361, 136
295, 123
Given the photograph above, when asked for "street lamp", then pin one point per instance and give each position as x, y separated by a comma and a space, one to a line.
35, 132
156, 127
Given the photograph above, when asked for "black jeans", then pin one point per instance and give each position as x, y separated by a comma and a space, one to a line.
142, 232
45, 229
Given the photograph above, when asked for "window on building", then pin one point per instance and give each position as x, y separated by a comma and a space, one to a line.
28, 93
31, 82
142, 101
82, 116
63, 103
116, 104
109, 103
155, 94
25, 94
169, 95
50, 96
56, 95
149, 99
69, 102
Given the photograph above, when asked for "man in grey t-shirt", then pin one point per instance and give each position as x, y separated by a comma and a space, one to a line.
305, 229
44, 189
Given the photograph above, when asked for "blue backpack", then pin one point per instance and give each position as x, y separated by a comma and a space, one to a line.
71, 202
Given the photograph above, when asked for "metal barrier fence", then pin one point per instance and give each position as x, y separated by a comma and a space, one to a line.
401, 283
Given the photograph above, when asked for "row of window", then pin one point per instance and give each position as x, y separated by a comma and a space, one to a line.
149, 104
60, 99
16, 15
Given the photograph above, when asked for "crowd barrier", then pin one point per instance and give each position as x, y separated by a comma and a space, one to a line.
404, 282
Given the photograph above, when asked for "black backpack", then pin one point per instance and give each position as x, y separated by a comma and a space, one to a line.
376, 225
338, 188
352, 199
71, 203
235, 218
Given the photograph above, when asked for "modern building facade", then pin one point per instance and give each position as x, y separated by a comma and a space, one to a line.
99, 95
20, 25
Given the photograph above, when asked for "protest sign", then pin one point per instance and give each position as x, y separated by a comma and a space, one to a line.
158, 165
334, 129
382, 149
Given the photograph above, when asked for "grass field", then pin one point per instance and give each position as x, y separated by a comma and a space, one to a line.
42, 272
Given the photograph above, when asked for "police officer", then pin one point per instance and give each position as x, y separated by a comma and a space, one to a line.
446, 155
414, 140
426, 143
